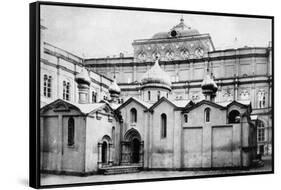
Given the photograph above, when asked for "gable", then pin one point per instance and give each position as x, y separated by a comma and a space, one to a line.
130, 101
59, 106
210, 104
159, 102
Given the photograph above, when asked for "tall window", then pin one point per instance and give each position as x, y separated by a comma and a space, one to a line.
167, 95
185, 118
261, 131
163, 125
71, 131
66, 90
47, 86
94, 97
207, 114
133, 115
158, 95
149, 95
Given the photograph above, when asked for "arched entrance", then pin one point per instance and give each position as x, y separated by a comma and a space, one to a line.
135, 149
132, 148
104, 152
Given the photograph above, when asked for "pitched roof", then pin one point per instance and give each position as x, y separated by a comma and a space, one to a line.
83, 108
140, 102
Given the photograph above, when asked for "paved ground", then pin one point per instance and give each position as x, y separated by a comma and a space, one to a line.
47, 179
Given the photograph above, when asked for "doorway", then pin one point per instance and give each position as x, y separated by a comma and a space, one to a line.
135, 149
104, 153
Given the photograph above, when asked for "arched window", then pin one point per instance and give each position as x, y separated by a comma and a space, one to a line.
163, 125
158, 95
207, 114
261, 131
71, 132
234, 117
185, 118
149, 95
133, 115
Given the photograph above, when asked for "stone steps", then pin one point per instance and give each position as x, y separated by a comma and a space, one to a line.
119, 170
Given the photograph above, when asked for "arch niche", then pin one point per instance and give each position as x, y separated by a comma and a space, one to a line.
105, 151
132, 147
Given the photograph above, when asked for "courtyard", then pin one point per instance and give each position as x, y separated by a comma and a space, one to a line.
50, 179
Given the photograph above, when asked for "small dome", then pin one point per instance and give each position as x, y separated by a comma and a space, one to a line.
83, 77
209, 85
114, 88
180, 30
156, 75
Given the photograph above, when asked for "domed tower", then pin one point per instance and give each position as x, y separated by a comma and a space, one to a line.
155, 83
83, 80
114, 91
209, 87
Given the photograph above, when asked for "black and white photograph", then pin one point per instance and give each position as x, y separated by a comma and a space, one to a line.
132, 94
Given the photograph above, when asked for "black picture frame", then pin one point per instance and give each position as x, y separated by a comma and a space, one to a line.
34, 100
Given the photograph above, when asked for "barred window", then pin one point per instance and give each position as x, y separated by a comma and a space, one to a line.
261, 131
94, 97
47, 86
66, 90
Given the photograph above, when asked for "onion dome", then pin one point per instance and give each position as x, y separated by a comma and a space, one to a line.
180, 30
83, 77
114, 88
208, 85
156, 77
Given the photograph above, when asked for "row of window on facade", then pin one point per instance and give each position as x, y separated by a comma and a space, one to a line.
47, 89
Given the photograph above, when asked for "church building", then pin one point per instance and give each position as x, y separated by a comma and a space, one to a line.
151, 131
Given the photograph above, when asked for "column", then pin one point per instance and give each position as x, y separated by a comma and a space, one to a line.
99, 155
110, 152
123, 152
141, 153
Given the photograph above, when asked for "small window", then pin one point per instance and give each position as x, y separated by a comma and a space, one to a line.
185, 118
94, 97
133, 115
47, 86
71, 132
163, 125
167, 95
158, 95
149, 95
207, 114
66, 90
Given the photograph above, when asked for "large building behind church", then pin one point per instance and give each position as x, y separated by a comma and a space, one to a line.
177, 103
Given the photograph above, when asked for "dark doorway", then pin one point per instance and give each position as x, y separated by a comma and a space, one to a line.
135, 151
104, 153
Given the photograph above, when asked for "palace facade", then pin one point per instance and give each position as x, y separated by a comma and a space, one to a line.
178, 103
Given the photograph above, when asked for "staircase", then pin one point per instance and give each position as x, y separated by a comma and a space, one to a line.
110, 170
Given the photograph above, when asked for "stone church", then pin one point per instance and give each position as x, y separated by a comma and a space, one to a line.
151, 132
